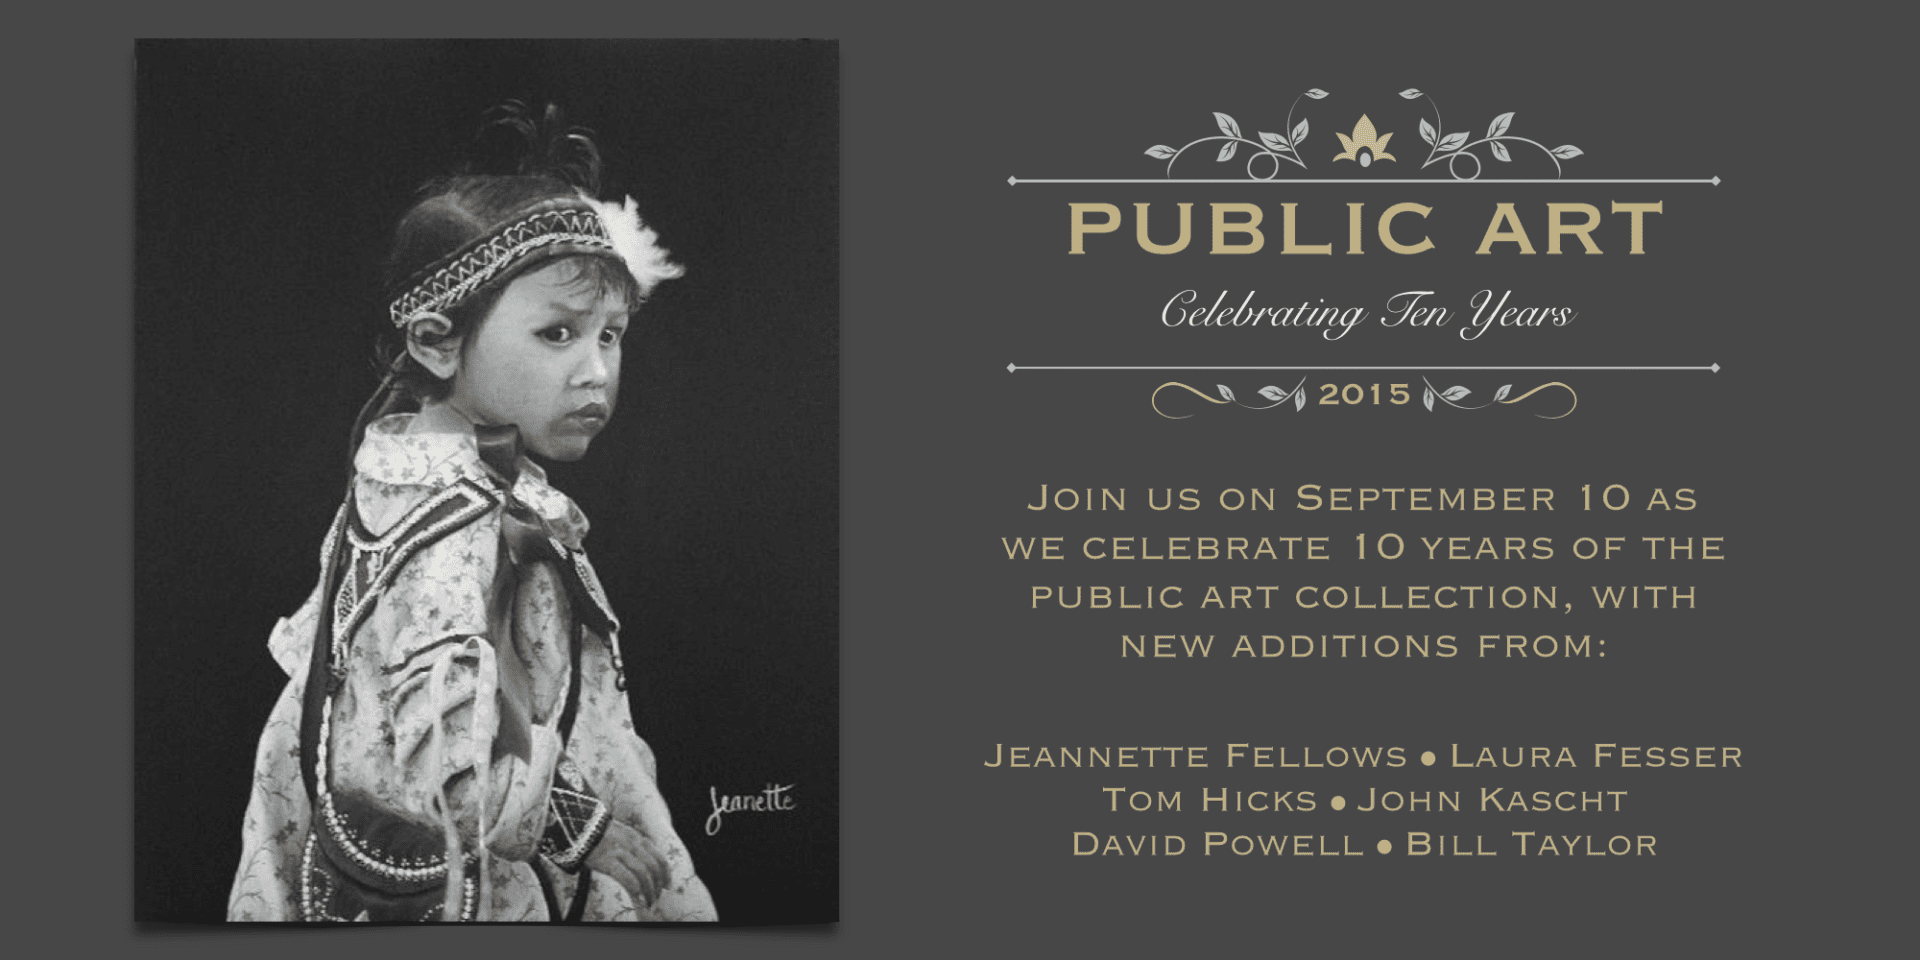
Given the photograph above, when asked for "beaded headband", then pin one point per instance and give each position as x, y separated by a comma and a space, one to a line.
454, 282
605, 228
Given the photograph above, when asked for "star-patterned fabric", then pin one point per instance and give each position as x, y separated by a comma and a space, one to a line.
398, 742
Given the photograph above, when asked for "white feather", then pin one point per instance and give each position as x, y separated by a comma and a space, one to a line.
636, 243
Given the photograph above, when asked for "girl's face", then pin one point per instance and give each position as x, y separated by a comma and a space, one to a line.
546, 359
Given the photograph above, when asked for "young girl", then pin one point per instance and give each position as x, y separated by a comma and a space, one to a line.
454, 740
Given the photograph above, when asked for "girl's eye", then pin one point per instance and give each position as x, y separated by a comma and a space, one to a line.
611, 336
557, 335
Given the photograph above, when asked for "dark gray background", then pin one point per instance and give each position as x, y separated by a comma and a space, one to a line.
949, 274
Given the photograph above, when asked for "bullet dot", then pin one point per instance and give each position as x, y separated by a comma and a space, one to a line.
1426, 759
1339, 803
1384, 846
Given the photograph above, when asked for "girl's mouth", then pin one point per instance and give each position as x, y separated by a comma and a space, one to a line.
593, 415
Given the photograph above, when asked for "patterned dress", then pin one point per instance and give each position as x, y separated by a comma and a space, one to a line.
415, 735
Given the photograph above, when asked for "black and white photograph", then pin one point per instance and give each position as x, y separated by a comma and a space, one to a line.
486, 481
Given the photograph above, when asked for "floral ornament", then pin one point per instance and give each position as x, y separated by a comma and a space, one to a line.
1298, 395
1272, 146
1364, 144
1451, 147
1451, 394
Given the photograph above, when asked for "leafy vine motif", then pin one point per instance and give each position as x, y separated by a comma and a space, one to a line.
1298, 395
1451, 147
1272, 146
1451, 395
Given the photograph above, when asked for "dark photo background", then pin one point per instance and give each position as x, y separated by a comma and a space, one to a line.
268, 179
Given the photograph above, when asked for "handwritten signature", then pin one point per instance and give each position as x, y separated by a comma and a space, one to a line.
773, 797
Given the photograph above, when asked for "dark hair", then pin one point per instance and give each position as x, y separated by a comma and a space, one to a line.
517, 161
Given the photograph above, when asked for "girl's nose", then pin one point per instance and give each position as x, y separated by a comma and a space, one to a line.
593, 370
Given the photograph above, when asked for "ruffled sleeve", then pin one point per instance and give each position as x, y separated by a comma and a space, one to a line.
428, 658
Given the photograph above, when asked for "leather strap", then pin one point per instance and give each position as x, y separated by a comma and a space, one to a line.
320, 679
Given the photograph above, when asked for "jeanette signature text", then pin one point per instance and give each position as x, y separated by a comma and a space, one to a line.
774, 797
